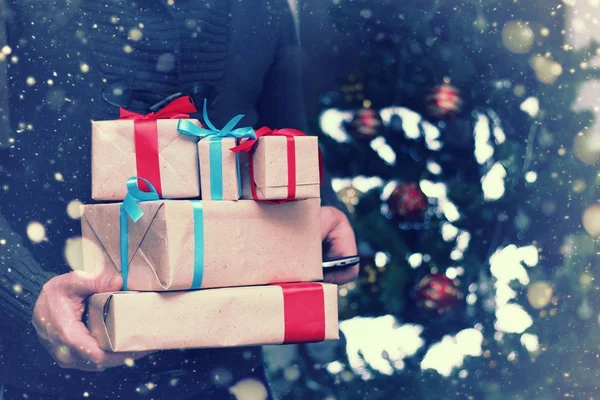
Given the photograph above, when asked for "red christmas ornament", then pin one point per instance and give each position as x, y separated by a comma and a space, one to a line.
437, 293
408, 203
444, 101
366, 123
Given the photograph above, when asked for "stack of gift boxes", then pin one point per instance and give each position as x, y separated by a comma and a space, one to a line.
238, 267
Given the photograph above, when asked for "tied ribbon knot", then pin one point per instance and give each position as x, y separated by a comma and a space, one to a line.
181, 107
146, 138
134, 195
131, 209
248, 146
215, 137
187, 128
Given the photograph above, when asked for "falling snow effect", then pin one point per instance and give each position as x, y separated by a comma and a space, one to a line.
510, 182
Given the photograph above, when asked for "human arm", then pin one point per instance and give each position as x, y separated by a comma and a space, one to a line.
53, 303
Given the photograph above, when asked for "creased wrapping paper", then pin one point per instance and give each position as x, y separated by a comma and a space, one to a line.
228, 317
270, 168
242, 243
114, 159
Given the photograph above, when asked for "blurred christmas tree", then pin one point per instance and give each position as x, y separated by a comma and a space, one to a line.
473, 184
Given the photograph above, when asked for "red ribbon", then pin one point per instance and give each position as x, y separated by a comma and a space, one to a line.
304, 312
146, 138
248, 147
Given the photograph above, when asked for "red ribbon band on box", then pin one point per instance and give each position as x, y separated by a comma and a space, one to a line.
146, 138
290, 134
304, 310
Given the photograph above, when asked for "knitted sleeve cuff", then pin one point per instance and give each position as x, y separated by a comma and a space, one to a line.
21, 277
21, 280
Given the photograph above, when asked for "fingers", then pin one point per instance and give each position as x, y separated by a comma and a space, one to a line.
337, 233
83, 284
89, 351
329, 219
84, 345
57, 321
338, 236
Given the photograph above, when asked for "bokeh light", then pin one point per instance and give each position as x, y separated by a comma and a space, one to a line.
36, 232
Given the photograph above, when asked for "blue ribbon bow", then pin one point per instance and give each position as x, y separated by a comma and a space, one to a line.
215, 136
135, 195
186, 127
131, 209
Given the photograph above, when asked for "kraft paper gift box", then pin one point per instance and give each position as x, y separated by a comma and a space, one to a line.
219, 166
219, 169
279, 167
229, 317
181, 244
149, 147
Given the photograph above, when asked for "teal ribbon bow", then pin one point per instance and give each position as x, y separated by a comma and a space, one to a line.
131, 209
216, 136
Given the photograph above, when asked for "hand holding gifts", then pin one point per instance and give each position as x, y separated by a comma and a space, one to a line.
165, 249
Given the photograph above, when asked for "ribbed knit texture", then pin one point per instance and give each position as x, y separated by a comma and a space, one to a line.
171, 48
21, 277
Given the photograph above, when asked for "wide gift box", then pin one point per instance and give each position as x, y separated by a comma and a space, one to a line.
193, 244
280, 164
150, 147
228, 317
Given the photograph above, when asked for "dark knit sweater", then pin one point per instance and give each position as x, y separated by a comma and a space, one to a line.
73, 63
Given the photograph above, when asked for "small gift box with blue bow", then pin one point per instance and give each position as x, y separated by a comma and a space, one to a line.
220, 177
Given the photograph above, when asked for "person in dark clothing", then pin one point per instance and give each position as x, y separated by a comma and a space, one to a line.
66, 63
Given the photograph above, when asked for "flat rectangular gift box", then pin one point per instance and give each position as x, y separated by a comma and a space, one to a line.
180, 244
150, 149
229, 317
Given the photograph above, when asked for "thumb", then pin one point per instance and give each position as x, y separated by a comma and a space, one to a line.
82, 284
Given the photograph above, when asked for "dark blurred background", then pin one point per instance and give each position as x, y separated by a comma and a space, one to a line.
463, 138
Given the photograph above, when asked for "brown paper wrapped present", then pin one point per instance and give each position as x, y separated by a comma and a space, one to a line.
182, 244
280, 165
219, 166
147, 147
227, 179
229, 317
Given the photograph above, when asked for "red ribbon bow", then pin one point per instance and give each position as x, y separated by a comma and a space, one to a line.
181, 107
248, 147
146, 138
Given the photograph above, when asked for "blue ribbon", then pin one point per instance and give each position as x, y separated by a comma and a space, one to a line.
215, 136
131, 209
198, 244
